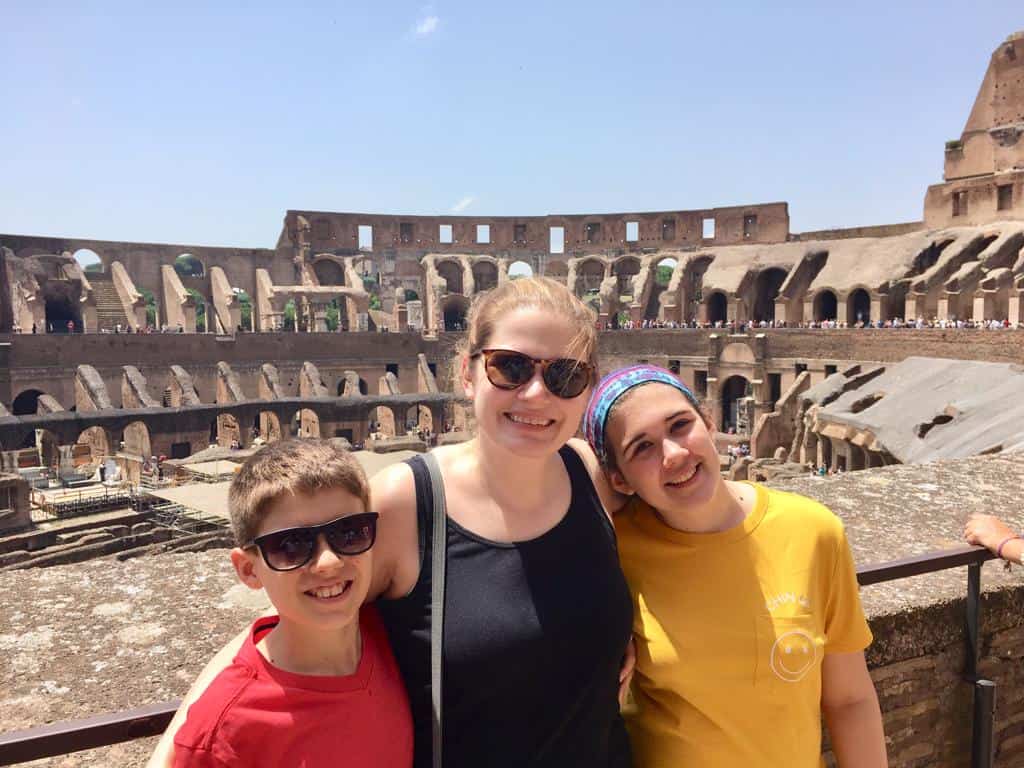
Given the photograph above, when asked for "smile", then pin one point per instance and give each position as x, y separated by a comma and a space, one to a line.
330, 592
685, 478
530, 421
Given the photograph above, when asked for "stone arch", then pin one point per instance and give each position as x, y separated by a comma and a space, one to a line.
307, 423
48, 447
591, 275
624, 269
27, 402
735, 391
451, 272
329, 271
858, 307
664, 270
519, 269
97, 441
382, 421
136, 440
766, 291
485, 275
717, 306
825, 305
269, 426
418, 417
61, 310
189, 265
228, 430
454, 309
89, 260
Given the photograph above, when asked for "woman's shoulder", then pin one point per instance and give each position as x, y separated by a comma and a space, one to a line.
610, 498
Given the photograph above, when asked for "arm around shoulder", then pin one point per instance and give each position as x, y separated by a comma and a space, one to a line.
163, 755
396, 551
610, 498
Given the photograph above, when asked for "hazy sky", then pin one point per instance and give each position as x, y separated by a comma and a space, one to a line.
202, 125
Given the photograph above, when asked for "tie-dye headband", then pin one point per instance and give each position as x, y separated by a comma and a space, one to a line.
611, 388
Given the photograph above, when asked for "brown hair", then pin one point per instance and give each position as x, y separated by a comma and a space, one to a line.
290, 466
543, 293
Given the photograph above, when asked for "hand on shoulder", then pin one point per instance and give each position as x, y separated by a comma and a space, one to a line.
396, 551
612, 500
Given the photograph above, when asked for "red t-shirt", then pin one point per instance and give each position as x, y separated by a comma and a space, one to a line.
256, 714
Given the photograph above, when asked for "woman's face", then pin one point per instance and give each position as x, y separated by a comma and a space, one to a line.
528, 421
663, 448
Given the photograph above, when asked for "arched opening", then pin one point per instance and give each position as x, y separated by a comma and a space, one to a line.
485, 275
454, 309
591, 274
624, 271
48, 446
188, 265
244, 309
519, 269
364, 389
26, 403
664, 270
289, 316
825, 305
89, 261
229, 435
329, 272
136, 440
858, 307
418, 420
62, 316
766, 291
411, 295
308, 423
737, 405
382, 422
95, 444
451, 273
269, 426
717, 308
826, 452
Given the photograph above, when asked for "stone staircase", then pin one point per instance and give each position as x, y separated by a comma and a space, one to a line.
109, 309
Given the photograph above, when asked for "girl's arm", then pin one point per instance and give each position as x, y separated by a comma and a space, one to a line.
991, 532
610, 498
850, 706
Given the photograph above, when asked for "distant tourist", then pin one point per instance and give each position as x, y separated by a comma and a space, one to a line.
71, 326
34, 329
995, 535
316, 684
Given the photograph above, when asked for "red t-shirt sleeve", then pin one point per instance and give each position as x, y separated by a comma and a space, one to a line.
200, 742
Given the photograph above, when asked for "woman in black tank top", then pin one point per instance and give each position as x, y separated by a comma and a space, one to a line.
537, 612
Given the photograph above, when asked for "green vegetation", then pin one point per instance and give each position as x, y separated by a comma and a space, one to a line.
188, 265
245, 308
93, 269
150, 299
289, 315
663, 275
333, 318
200, 308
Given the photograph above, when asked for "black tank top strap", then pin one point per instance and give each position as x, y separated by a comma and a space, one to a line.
424, 509
584, 494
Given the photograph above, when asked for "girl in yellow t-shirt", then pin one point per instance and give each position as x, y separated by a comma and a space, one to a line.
746, 612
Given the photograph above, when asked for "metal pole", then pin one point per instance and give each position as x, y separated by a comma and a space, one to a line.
984, 690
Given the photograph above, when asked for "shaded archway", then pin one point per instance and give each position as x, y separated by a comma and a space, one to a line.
418, 418
557, 270
60, 311
454, 310
766, 291
269, 426
591, 275
188, 265
228, 432
624, 269
308, 423
27, 402
825, 306
736, 416
382, 422
485, 275
95, 440
451, 273
858, 307
329, 272
717, 308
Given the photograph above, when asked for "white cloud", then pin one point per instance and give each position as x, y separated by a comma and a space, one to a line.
463, 204
426, 26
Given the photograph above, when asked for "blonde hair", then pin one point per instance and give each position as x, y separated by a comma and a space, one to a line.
543, 293
290, 467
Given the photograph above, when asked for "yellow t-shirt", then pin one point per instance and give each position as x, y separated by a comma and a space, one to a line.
731, 630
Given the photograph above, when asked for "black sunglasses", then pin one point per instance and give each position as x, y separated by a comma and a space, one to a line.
292, 548
563, 376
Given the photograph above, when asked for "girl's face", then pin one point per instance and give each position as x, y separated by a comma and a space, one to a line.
663, 448
529, 420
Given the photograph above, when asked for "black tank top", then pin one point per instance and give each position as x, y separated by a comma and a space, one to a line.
533, 640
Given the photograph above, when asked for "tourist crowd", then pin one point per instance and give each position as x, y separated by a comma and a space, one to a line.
733, 327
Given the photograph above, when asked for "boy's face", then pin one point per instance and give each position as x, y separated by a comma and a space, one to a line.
328, 591
663, 448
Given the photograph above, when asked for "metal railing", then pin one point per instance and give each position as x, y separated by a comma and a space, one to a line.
103, 730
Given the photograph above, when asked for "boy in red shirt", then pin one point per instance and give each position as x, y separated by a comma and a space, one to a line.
317, 684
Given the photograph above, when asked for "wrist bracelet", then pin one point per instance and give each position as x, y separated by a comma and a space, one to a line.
1004, 542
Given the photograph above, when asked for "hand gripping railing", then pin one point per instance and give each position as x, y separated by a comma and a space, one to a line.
103, 730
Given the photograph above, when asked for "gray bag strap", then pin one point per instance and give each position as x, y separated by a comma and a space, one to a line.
439, 546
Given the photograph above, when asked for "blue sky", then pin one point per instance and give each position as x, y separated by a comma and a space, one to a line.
199, 124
